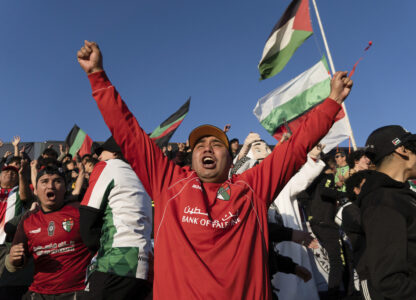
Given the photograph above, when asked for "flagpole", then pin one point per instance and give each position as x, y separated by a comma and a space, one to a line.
331, 64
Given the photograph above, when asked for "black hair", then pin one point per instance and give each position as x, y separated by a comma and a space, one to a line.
353, 157
67, 155
49, 170
50, 153
234, 140
92, 160
16, 159
48, 161
87, 155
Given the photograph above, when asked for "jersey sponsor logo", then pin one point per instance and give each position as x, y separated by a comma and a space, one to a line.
224, 192
227, 221
51, 228
194, 211
68, 224
37, 230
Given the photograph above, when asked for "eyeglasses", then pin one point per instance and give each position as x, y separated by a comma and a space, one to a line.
339, 155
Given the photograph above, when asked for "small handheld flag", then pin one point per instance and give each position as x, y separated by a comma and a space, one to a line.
370, 43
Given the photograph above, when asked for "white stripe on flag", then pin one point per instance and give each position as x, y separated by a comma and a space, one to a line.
289, 90
282, 35
337, 134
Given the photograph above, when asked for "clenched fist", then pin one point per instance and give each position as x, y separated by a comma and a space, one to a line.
340, 87
90, 58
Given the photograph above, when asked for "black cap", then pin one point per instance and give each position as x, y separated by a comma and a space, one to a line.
385, 140
109, 145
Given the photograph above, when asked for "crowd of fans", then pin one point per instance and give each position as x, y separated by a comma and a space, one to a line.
209, 218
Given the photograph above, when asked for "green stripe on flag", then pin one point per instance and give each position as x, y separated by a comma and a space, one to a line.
76, 145
296, 106
159, 130
272, 65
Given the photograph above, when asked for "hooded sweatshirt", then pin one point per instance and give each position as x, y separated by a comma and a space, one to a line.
388, 210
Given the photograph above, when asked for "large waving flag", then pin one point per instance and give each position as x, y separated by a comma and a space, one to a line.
78, 142
162, 134
293, 28
285, 108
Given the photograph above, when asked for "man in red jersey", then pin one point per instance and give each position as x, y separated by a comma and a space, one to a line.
51, 235
211, 236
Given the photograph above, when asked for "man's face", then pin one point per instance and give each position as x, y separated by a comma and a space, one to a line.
260, 150
211, 159
74, 171
340, 159
8, 178
89, 167
106, 155
50, 190
234, 146
362, 164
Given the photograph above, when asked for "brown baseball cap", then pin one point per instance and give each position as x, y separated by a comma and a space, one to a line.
207, 130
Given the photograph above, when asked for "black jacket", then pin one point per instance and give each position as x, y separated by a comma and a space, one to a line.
324, 201
388, 209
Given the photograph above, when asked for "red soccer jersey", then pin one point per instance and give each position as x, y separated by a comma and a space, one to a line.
211, 239
54, 241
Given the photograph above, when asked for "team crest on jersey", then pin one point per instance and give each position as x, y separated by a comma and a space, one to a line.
224, 192
68, 224
51, 228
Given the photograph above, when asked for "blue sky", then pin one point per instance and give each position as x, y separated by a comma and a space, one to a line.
158, 53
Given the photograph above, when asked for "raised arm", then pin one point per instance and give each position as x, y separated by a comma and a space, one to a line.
25, 192
146, 159
15, 143
274, 172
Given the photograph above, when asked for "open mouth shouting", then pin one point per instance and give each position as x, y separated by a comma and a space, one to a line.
51, 195
208, 162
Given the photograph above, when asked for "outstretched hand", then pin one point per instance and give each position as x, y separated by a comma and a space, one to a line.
340, 86
16, 140
90, 58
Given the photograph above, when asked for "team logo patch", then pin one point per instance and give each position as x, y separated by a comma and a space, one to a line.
224, 192
68, 224
51, 228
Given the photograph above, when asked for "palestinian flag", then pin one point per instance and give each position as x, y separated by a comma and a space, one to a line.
162, 134
293, 28
78, 142
285, 108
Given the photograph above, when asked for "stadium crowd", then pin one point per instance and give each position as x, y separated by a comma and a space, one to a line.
210, 218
